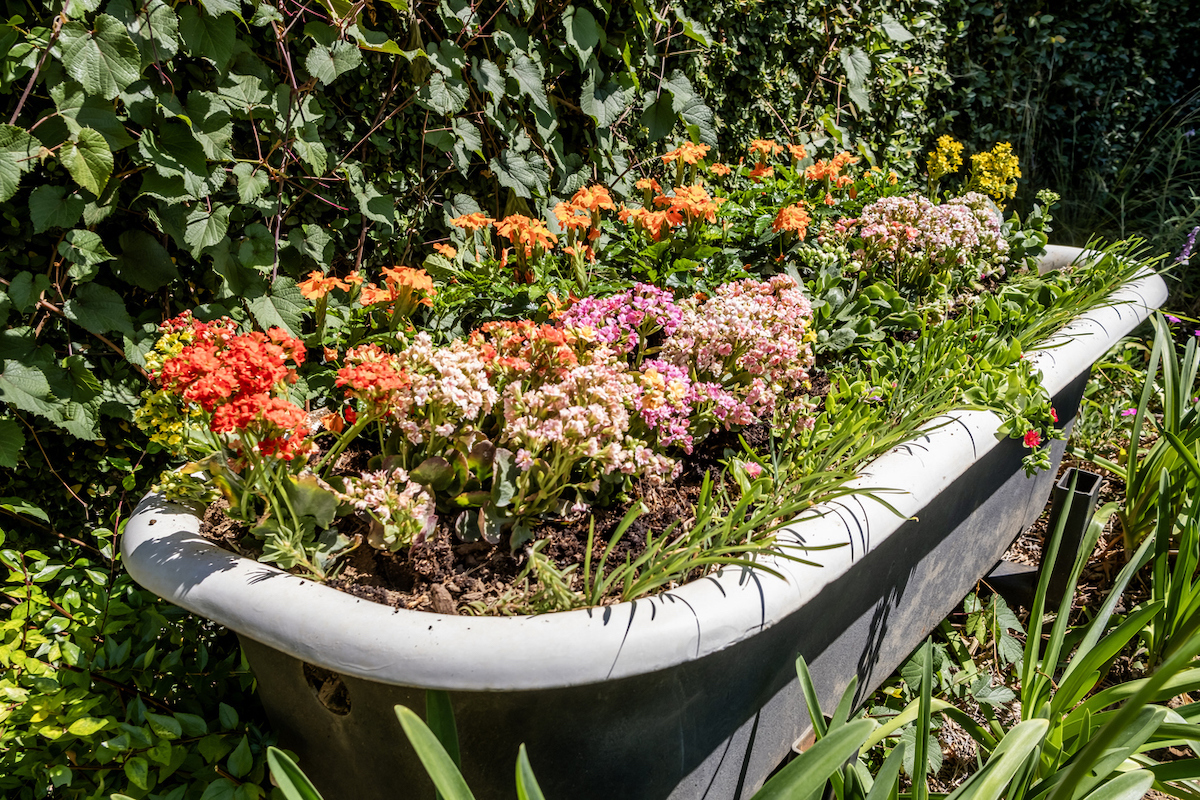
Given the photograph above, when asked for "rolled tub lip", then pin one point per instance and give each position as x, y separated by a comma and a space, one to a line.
163, 551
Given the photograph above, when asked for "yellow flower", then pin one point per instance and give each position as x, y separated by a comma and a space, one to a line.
996, 171
946, 159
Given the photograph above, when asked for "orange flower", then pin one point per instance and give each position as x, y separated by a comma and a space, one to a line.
650, 184
594, 198
792, 218
765, 148
761, 170
317, 285
405, 287
797, 152
693, 202
720, 170
472, 222
688, 153
829, 201
354, 278
571, 217
416, 279
445, 250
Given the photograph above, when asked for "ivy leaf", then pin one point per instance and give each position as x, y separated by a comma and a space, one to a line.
858, 66
153, 27
529, 76
104, 60
86, 253
209, 37
205, 226
17, 151
252, 181
442, 95
12, 441
583, 34
525, 173
88, 159
80, 110
51, 207
696, 115
98, 309
283, 308
326, 63
606, 103
895, 31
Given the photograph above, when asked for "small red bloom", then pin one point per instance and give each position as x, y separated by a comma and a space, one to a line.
1053, 414
1032, 439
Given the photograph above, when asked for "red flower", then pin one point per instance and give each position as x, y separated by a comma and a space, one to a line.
1053, 414
1032, 439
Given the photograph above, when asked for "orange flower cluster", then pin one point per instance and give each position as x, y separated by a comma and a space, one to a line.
518, 348
373, 376
583, 213
797, 152
831, 170
655, 223
765, 148
687, 153
793, 218
649, 188
233, 377
760, 171
720, 170
692, 203
447, 251
403, 286
472, 222
528, 236
318, 285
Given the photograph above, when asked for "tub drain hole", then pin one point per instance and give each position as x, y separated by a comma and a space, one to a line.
328, 688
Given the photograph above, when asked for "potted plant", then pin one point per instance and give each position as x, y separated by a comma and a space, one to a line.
822, 538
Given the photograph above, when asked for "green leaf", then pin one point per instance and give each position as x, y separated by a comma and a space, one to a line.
858, 67
206, 36
173, 149
689, 105
252, 181
311, 148
51, 207
442, 95
438, 765
488, 77
309, 499
26, 388
529, 76
12, 441
294, 784
86, 726
220, 789
84, 249
895, 31
164, 726
1132, 785
326, 63
104, 60
811, 769
88, 159
228, 716
659, 116
525, 173
98, 309
144, 262
219, 7
606, 103
211, 125
80, 110
153, 27
240, 760
137, 769
26, 290
17, 153
584, 36
206, 227
283, 308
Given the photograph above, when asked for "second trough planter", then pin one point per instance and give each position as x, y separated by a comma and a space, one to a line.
688, 694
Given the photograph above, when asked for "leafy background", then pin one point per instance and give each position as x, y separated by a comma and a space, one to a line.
157, 156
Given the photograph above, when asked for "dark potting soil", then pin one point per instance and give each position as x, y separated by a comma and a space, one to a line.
447, 576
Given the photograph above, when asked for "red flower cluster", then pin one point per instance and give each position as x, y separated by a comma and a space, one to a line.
371, 375
232, 376
524, 346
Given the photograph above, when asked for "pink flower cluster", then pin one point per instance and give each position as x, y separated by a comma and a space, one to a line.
403, 510
625, 321
913, 232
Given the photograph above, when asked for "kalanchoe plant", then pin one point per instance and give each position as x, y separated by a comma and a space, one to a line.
535, 372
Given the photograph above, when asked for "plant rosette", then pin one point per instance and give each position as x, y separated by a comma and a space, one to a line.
701, 671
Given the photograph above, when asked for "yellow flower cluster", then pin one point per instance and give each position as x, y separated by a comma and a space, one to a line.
169, 345
995, 172
946, 159
161, 418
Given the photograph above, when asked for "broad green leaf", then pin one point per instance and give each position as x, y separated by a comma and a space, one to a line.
309, 499
86, 253
659, 116
529, 76
294, 784
26, 290
211, 125
88, 159
858, 66
206, 36
442, 95
689, 105
86, 726
227, 715
164, 726
241, 759
98, 309
438, 765
583, 34
252, 181
104, 60
20, 506
895, 31
153, 27
326, 63
137, 769
312, 150
607, 102
283, 308
525, 173
488, 77
18, 151
12, 441
80, 110
219, 7
811, 769
206, 226
144, 262
1132, 785
26, 388
51, 207
173, 149
220, 789
243, 93
373, 41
